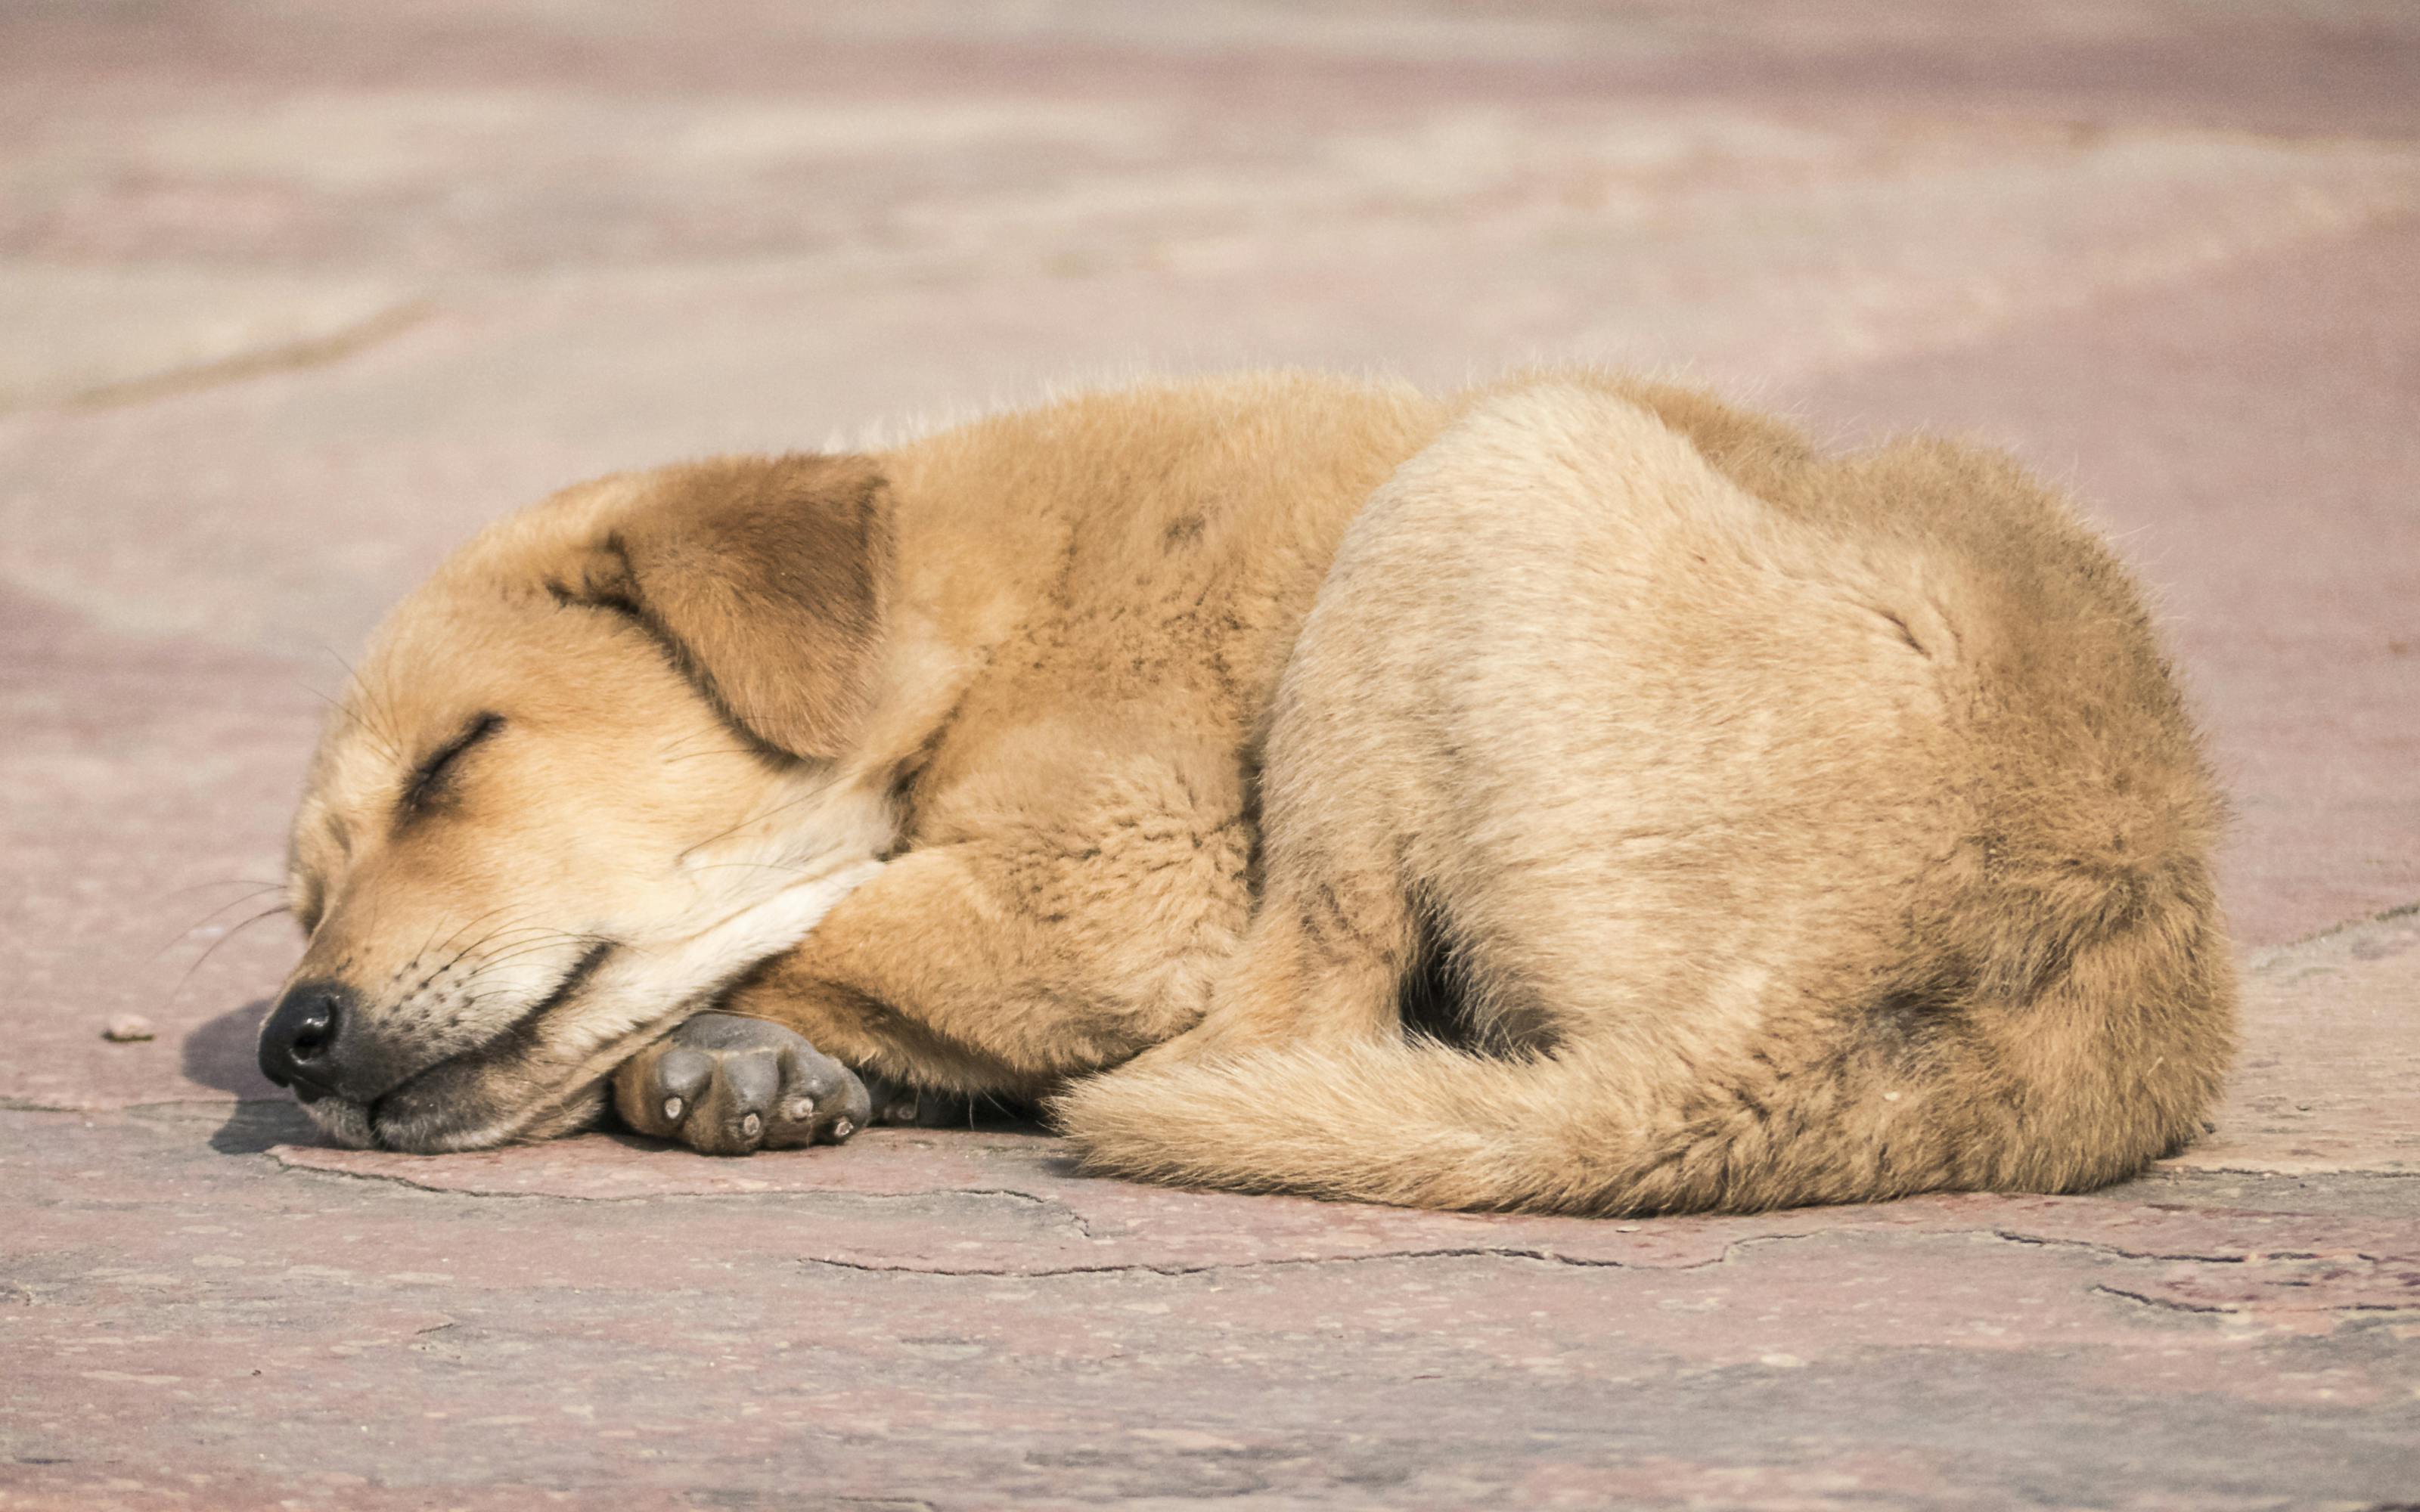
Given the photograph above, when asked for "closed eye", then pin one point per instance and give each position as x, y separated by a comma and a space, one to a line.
427, 783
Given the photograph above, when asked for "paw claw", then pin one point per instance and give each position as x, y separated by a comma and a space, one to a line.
727, 1085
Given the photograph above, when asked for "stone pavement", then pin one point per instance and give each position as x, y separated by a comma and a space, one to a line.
294, 295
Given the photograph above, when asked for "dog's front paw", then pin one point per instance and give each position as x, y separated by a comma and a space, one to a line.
730, 1085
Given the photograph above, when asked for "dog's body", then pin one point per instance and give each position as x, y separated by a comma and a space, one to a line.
1762, 828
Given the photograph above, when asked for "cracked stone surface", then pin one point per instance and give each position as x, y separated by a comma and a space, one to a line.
296, 295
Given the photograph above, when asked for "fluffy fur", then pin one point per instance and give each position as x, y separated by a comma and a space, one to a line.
1744, 825
1830, 841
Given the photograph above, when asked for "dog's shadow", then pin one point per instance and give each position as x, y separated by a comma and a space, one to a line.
222, 1054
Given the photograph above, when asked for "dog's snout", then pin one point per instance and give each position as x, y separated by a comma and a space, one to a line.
298, 1043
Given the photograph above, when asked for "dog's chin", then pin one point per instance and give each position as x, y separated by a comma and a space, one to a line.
420, 1125
423, 1119
454, 1105
345, 1122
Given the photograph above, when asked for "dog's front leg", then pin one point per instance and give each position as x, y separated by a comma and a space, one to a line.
967, 968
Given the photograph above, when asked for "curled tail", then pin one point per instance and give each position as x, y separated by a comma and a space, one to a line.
1412, 1122
1417, 1123
2077, 1083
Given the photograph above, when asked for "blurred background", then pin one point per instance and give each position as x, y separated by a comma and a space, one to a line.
296, 295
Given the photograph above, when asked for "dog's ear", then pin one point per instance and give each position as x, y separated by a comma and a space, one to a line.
763, 578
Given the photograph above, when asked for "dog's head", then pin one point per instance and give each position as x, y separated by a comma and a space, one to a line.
588, 774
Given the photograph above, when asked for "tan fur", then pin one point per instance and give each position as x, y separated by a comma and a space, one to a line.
1786, 827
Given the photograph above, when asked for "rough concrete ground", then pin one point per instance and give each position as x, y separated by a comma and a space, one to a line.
294, 296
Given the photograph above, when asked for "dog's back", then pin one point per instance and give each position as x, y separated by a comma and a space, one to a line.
1792, 830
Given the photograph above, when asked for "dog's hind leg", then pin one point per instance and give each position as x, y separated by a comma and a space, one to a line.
1333, 936
1789, 877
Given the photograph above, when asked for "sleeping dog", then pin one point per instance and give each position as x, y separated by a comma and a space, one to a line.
1749, 826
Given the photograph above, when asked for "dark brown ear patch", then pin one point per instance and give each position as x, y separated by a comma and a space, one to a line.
763, 579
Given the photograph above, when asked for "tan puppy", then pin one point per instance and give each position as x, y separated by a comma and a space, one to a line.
1744, 827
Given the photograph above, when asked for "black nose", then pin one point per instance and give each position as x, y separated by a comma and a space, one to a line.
298, 1041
